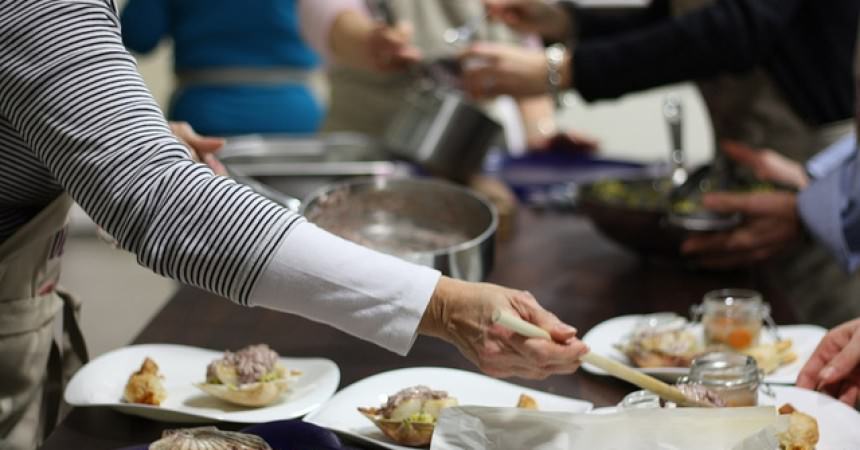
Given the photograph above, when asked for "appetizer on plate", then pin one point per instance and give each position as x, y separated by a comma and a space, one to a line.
249, 377
409, 416
662, 340
527, 402
208, 438
772, 356
802, 433
145, 386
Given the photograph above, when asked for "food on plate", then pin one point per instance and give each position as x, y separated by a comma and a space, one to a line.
738, 333
700, 393
802, 433
208, 438
772, 356
409, 416
661, 340
145, 386
249, 377
527, 402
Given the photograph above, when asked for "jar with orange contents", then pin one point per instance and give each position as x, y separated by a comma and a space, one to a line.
733, 317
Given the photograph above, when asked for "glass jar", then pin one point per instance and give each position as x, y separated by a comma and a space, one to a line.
640, 400
733, 317
732, 377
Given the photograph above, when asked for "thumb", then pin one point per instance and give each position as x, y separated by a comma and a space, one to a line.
844, 362
536, 314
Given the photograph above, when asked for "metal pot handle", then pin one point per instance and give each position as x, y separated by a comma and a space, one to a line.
285, 200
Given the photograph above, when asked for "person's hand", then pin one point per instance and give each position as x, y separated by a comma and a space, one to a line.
462, 314
771, 223
390, 49
202, 148
531, 17
490, 70
771, 219
834, 368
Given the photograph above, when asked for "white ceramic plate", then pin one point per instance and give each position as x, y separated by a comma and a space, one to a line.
340, 414
838, 424
101, 383
604, 336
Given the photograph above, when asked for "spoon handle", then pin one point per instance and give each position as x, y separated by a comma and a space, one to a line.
614, 368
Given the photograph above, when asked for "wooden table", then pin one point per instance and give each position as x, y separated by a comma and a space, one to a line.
571, 269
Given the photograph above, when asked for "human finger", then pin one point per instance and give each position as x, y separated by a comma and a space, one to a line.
844, 363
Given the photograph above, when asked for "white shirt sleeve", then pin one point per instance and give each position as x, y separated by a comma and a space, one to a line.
368, 294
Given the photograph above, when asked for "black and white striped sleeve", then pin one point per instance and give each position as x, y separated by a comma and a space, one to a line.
70, 89
72, 92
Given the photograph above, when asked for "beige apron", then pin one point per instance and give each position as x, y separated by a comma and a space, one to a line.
31, 354
365, 102
750, 108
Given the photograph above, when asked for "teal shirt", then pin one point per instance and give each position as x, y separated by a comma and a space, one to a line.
229, 34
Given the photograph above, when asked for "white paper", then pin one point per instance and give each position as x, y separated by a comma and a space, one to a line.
479, 428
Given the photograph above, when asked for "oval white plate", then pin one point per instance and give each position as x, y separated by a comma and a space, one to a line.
101, 383
838, 424
603, 337
340, 414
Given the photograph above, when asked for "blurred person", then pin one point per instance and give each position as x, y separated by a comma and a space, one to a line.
370, 64
77, 122
240, 67
773, 73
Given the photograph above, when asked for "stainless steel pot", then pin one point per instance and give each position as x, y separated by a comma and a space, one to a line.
443, 132
429, 222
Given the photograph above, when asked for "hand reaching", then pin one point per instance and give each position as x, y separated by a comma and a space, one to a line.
462, 314
834, 368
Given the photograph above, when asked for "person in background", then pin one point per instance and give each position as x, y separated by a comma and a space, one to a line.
370, 62
773, 73
240, 67
78, 123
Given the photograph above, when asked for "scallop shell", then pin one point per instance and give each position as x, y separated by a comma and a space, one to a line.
208, 438
251, 394
407, 433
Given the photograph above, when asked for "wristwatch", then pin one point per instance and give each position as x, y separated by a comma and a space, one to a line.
555, 54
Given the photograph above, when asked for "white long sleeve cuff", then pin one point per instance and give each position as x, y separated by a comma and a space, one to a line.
368, 294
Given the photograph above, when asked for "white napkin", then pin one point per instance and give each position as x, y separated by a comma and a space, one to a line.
480, 428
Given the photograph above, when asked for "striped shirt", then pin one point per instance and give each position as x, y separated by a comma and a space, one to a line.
76, 116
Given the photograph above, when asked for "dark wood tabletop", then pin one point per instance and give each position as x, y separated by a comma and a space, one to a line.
560, 258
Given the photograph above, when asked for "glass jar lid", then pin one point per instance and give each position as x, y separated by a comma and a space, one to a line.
725, 370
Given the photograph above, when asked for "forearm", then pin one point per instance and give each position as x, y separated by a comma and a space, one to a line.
726, 37
337, 29
593, 22
538, 115
349, 40
370, 295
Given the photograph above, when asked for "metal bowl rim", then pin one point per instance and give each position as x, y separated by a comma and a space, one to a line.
475, 242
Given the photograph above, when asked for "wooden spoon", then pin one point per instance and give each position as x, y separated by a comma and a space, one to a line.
614, 368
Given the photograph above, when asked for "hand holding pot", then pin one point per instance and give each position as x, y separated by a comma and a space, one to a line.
462, 314
772, 219
490, 70
389, 48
